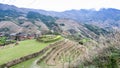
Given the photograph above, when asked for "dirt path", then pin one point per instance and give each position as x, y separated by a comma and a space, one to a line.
34, 65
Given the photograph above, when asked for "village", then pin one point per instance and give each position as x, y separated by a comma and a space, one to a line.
6, 38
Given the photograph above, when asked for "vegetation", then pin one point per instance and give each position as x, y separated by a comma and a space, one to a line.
49, 38
93, 54
62, 24
84, 40
29, 63
24, 48
21, 21
102, 55
48, 20
96, 29
25, 64
2, 41
9, 13
108, 61
4, 29
107, 57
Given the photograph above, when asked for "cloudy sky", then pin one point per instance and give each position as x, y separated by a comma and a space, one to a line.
62, 5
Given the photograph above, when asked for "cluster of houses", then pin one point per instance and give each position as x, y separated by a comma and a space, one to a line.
19, 36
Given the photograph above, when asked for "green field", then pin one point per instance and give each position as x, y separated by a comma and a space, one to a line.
29, 63
24, 48
25, 64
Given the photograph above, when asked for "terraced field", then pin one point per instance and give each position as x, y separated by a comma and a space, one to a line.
58, 55
12, 51
65, 54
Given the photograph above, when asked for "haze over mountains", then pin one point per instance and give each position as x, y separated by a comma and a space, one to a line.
89, 23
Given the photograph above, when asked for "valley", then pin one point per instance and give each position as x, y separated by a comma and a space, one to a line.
32, 38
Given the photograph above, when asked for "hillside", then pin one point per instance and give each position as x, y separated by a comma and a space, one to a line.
69, 54
105, 18
33, 38
21, 20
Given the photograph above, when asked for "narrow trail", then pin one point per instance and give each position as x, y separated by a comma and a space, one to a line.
34, 65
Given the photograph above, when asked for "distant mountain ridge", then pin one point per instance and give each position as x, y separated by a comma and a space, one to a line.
78, 23
104, 18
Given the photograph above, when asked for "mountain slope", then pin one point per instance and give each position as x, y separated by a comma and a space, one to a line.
36, 21
104, 18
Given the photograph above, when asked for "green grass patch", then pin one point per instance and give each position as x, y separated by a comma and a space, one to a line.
84, 40
25, 64
24, 48
49, 38
29, 63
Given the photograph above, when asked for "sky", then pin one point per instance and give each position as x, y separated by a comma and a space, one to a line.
63, 5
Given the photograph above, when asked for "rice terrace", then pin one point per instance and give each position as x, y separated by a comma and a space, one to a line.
57, 52
62, 51
59, 34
